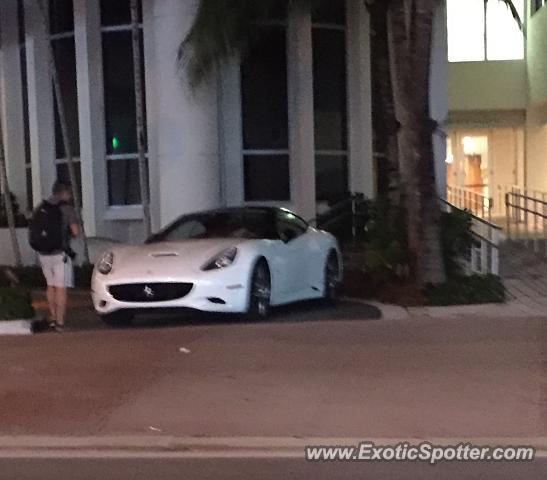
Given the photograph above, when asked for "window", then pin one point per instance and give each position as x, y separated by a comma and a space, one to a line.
24, 88
61, 28
329, 98
120, 108
237, 223
265, 117
289, 226
478, 33
535, 5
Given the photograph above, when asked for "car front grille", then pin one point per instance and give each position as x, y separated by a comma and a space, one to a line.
150, 292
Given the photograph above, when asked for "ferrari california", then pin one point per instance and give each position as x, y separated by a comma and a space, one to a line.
238, 260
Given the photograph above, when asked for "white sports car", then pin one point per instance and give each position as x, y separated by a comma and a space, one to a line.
240, 260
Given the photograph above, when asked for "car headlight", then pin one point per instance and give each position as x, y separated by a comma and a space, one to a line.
105, 264
223, 259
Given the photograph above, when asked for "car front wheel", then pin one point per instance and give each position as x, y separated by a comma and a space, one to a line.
332, 272
260, 292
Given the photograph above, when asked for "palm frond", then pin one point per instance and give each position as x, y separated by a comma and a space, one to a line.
222, 29
511, 6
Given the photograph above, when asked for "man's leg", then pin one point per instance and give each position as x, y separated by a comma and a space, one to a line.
60, 306
52, 303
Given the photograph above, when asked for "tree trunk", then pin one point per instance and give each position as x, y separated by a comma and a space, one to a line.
139, 94
4, 186
64, 130
410, 24
384, 121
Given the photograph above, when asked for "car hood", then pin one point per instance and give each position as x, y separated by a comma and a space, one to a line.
167, 258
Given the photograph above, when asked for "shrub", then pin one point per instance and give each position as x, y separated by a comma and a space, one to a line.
466, 290
385, 246
385, 260
32, 277
456, 239
15, 303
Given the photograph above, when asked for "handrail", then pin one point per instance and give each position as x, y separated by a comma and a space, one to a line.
348, 201
466, 198
473, 216
484, 258
341, 211
526, 217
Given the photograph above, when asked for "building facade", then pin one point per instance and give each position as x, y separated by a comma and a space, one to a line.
497, 88
289, 124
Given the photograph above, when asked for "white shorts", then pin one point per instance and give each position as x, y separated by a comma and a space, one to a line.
58, 270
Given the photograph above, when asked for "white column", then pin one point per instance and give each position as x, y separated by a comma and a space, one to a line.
87, 36
301, 114
438, 93
12, 101
182, 123
231, 134
361, 162
149, 47
40, 92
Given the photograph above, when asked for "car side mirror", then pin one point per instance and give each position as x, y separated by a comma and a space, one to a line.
287, 235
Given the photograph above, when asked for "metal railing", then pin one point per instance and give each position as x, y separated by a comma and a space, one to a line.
468, 199
526, 217
484, 257
344, 219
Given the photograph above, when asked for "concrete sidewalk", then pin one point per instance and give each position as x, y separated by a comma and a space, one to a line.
515, 308
218, 447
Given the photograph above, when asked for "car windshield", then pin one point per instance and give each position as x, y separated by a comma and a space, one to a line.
222, 224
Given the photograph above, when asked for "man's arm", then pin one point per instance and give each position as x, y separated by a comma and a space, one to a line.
74, 229
71, 220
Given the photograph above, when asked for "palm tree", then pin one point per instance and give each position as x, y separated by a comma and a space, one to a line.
384, 121
410, 34
222, 29
137, 70
61, 111
4, 186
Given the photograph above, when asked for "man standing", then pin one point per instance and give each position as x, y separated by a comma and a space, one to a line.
52, 226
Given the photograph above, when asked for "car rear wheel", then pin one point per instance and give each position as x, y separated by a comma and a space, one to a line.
117, 319
260, 292
332, 272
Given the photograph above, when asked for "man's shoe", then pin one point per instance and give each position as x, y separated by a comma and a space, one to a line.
59, 328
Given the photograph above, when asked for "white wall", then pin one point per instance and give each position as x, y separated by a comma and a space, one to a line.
494, 85
438, 94
182, 123
536, 149
506, 156
536, 52
536, 115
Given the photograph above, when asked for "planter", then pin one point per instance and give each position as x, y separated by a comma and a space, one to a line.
16, 327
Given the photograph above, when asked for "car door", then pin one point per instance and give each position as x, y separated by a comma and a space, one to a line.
294, 255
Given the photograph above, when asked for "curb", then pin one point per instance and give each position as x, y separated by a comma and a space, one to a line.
511, 309
16, 327
217, 447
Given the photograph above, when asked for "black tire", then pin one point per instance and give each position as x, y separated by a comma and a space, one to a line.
259, 292
332, 278
117, 319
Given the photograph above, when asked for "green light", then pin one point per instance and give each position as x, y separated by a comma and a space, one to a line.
115, 143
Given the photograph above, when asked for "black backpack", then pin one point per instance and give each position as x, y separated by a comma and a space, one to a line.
46, 229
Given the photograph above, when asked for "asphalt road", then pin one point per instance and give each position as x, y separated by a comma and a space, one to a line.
258, 469
294, 376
